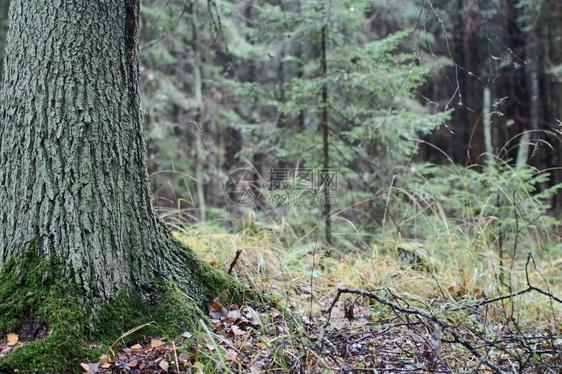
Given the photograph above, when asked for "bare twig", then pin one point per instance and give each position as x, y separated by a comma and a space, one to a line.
238, 253
529, 288
539, 290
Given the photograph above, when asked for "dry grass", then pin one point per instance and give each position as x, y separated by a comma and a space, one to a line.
302, 281
456, 265
292, 268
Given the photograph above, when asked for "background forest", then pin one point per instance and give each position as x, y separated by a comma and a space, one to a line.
407, 144
410, 145
428, 114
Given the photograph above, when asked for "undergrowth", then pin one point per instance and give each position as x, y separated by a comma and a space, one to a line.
434, 284
450, 238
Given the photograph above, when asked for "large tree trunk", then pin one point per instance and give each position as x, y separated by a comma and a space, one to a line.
73, 154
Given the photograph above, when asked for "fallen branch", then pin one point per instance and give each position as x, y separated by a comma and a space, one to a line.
417, 312
400, 306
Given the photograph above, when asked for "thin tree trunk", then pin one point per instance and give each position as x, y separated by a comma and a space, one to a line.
457, 147
532, 78
472, 90
517, 107
487, 126
199, 149
557, 174
326, 209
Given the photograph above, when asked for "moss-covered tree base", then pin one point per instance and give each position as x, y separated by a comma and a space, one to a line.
58, 333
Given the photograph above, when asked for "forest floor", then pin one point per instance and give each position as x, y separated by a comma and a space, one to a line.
370, 311
247, 340
395, 317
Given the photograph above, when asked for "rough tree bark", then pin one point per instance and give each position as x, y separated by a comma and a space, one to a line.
73, 154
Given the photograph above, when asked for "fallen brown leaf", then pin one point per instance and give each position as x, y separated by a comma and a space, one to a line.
164, 365
154, 343
12, 339
91, 368
233, 315
231, 355
237, 331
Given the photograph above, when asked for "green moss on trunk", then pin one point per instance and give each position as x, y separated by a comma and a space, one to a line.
58, 332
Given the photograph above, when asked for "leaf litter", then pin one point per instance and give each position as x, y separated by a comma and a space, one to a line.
264, 339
